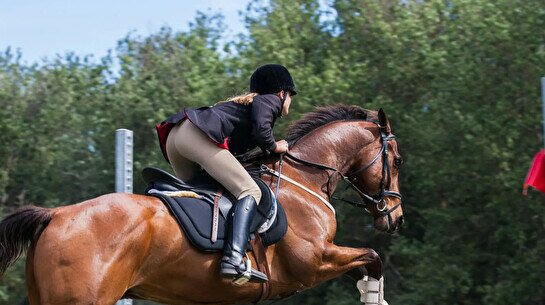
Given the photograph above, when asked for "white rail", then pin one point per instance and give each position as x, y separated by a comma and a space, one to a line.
123, 170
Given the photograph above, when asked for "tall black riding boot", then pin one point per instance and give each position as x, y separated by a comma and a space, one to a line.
232, 263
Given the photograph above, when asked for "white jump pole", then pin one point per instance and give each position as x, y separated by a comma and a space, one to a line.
123, 170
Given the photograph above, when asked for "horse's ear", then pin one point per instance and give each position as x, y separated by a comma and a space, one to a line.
383, 121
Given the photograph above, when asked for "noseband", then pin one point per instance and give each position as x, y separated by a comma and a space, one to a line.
379, 199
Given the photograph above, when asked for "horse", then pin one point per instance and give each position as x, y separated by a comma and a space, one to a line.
129, 246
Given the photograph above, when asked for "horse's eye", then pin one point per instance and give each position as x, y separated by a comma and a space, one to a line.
398, 162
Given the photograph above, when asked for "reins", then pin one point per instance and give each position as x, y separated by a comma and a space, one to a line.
279, 176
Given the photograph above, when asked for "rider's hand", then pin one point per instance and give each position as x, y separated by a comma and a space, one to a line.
281, 147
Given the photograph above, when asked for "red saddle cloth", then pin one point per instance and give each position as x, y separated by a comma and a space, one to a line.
536, 174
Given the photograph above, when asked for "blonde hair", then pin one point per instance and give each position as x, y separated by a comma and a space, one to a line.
243, 99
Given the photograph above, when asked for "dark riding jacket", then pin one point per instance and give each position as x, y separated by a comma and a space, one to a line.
236, 127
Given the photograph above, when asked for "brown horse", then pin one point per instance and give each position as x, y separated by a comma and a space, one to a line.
125, 245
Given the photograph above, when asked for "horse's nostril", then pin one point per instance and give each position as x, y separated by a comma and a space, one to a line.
401, 221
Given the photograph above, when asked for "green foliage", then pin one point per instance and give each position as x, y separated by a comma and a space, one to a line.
458, 79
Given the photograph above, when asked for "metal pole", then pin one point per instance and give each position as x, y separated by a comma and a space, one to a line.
543, 101
123, 170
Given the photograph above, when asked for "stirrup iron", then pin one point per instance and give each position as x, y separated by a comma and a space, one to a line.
246, 275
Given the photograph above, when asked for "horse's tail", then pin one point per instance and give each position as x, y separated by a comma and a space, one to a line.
18, 230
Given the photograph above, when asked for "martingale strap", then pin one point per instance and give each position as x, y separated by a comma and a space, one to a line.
272, 172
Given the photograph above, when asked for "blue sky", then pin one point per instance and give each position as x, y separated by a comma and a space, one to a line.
43, 28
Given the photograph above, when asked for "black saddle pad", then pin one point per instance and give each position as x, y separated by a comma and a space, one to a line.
195, 215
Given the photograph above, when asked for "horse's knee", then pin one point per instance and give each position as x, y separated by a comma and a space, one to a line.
371, 256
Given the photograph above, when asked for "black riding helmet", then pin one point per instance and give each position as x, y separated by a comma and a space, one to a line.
271, 78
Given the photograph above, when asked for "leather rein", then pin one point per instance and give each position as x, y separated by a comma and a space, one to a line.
379, 199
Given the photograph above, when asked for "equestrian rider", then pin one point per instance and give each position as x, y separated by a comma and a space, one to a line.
210, 137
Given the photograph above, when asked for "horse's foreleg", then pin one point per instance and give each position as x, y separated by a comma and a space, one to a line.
373, 269
357, 263
352, 261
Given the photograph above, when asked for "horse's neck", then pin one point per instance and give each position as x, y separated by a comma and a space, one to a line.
335, 145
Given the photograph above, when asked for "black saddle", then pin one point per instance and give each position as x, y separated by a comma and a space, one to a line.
195, 216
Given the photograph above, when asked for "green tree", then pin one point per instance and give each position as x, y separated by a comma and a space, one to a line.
459, 79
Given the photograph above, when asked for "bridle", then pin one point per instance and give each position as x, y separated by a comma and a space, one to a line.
379, 199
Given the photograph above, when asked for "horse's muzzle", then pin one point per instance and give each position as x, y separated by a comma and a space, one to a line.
396, 225
388, 224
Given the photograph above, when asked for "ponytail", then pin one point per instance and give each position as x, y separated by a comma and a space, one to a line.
243, 99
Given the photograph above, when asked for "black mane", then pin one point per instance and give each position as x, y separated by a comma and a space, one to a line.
324, 115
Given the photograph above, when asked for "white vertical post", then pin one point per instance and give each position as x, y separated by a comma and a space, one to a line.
123, 170
543, 101
123, 160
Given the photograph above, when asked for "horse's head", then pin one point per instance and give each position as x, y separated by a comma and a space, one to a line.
375, 177
371, 170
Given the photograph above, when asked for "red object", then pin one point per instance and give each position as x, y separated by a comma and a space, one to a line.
224, 145
536, 174
163, 129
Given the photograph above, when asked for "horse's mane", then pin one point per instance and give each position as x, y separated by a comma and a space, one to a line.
309, 122
324, 115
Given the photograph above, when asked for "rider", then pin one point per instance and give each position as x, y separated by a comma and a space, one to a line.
210, 137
